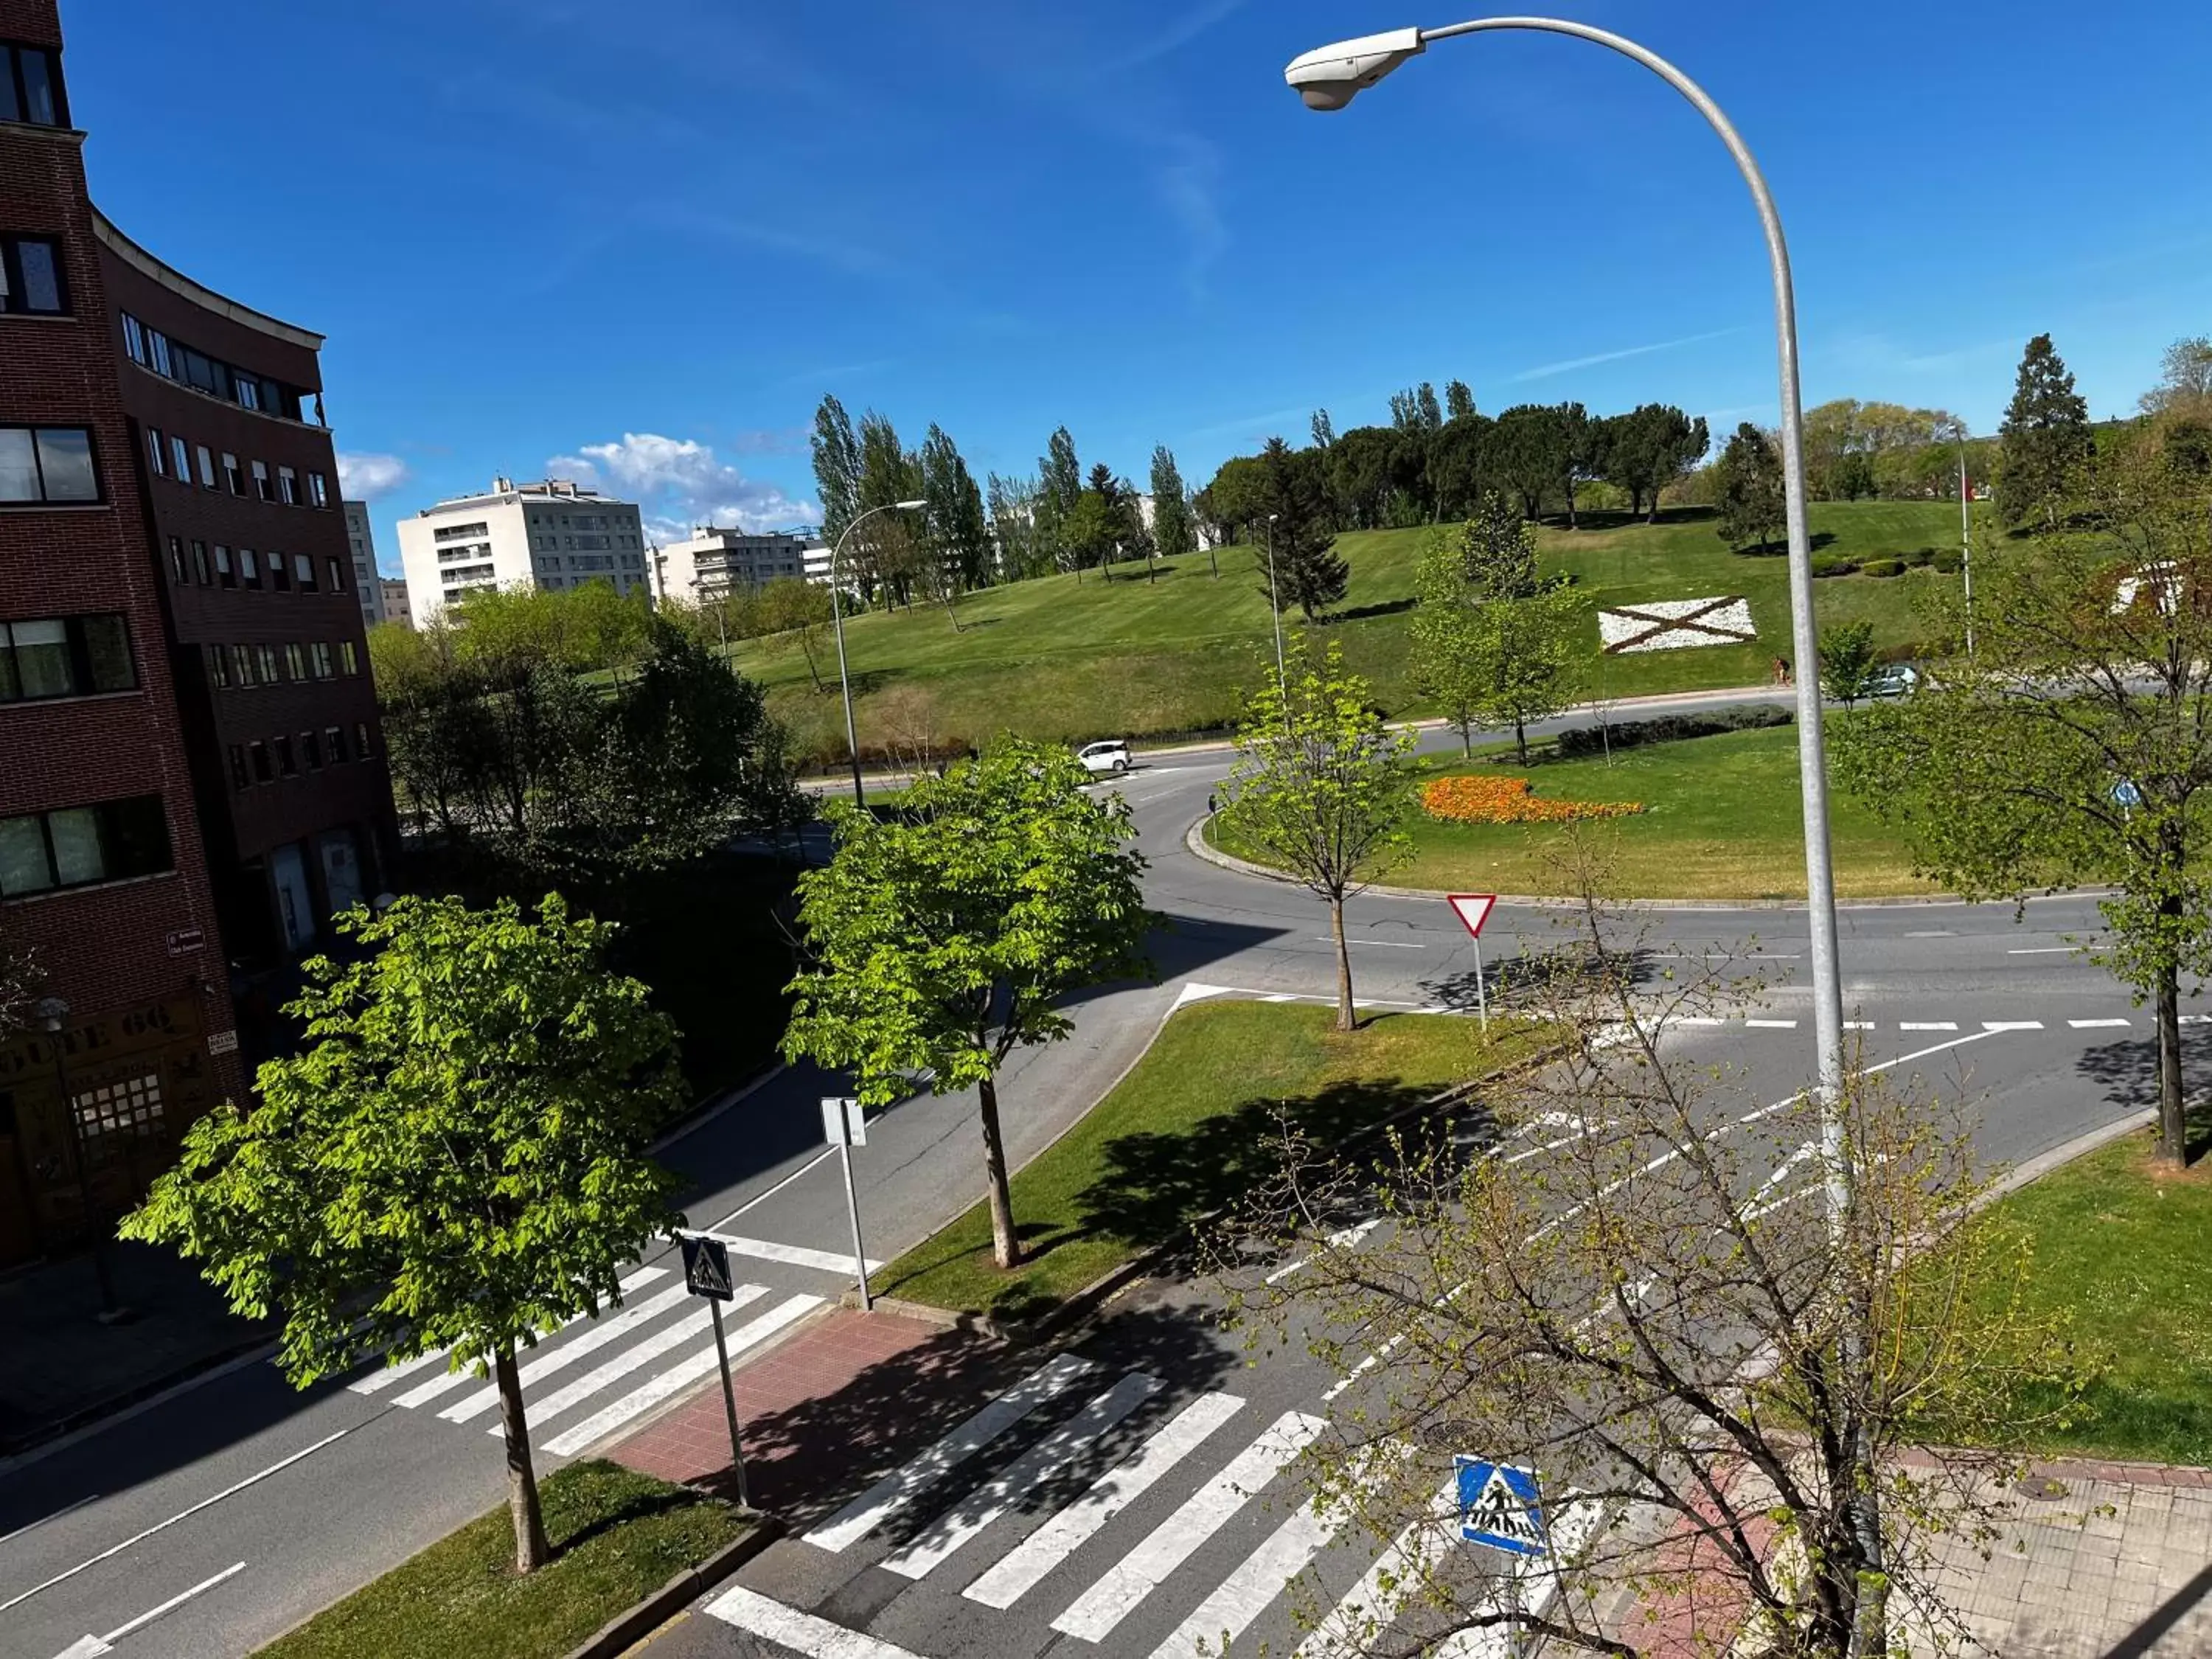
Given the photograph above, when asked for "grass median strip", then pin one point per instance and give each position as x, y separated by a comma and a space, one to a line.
1186, 1132
617, 1536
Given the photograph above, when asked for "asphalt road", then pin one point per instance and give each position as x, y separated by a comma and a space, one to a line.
300, 1498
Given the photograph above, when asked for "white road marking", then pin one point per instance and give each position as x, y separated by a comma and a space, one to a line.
1928, 1026
1258, 1580
1697, 1019
802, 1632
895, 1490
1192, 991
945, 1536
2012, 1025
1379, 943
1053, 1542
1279, 996
97, 1644
1372, 1603
423, 1393
2098, 1024
602, 1423
1168, 1545
792, 1256
538, 1412
1934, 933
181, 1514
1859, 1025
1772, 1024
1570, 1530
2047, 951
391, 1374
1343, 1239
595, 1336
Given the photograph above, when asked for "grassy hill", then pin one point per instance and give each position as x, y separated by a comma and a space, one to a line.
1072, 659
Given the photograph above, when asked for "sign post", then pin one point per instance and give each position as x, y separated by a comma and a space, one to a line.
706, 1273
1473, 910
843, 1128
1499, 1507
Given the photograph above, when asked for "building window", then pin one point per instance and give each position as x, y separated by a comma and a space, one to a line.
318, 491
249, 392
157, 453
207, 466
64, 656
258, 752
183, 468
361, 748
131, 1105
239, 777
242, 659
285, 763
157, 350
31, 276
337, 575
303, 572
349, 659
200, 563
294, 663
334, 737
261, 480
176, 558
223, 575
234, 480
76, 846
31, 87
218, 667
134, 338
311, 751
279, 577
248, 569
320, 654
287, 486
265, 655
47, 464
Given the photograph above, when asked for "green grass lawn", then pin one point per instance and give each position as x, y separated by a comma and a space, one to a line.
1721, 821
1186, 1133
617, 1536
1065, 659
2127, 1250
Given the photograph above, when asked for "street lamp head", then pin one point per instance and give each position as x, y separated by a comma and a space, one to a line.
1329, 77
910, 507
50, 1012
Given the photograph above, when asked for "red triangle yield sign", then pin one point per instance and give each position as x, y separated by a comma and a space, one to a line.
1473, 908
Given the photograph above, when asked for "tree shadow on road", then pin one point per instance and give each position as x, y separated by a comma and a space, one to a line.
2127, 1072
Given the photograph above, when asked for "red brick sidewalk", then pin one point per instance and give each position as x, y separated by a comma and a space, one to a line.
849, 1392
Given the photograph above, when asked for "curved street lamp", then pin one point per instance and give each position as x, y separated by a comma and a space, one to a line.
837, 616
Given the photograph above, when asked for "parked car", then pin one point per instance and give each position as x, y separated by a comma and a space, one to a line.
1107, 759
1897, 680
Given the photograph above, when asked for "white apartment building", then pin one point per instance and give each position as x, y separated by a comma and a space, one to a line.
554, 534
365, 582
714, 562
816, 557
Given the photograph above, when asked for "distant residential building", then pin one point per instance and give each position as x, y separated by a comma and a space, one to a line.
1201, 533
816, 557
714, 562
396, 608
554, 534
362, 542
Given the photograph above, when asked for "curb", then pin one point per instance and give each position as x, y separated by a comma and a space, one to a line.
2080, 1146
16, 1450
621, 1631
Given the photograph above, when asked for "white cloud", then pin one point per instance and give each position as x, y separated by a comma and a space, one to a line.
679, 482
363, 478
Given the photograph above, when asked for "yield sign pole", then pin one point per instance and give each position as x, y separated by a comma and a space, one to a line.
1473, 910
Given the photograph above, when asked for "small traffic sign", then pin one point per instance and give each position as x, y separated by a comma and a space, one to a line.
1472, 908
2126, 794
841, 1122
1497, 1506
706, 1267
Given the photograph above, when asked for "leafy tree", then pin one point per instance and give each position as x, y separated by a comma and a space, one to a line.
1172, 531
1649, 448
456, 1161
1528, 658
2072, 747
1751, 497
1015, 504
1321, 786
1441, 634
1324, 429
1308, 573
1427, 414
2184, 380
2044, 439
883, 554
1529, 454
793, 605
1497, 549
1848, 665
1238, 498
1358, 468
1060, 484
952, 936
1459, 400
1088, 534
958, 551
1455, 464
836, 467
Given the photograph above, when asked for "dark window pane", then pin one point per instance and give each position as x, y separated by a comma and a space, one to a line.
40, 106
23, 866
336, 735
42, 659
284, 763
239, 777
42, 278
65, 462
74, 832
108, 648
11, 684
261, 772
19, 466
9, 109
135, 833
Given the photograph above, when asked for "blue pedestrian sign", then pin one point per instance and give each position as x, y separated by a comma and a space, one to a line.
1497, 1506
706, 1267
2126, 794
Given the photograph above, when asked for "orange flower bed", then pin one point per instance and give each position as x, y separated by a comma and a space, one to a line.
1510, 801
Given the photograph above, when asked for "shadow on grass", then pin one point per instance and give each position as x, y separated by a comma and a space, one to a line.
2128, 1073
1385, 608
565, 1505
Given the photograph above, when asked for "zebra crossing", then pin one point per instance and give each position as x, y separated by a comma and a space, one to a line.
665, 1337
1154, 1500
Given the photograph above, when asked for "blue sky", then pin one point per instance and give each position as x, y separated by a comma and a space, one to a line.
645, 239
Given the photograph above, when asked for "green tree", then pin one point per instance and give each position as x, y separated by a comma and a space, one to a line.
1308, 574
1848, 665
956, 554
1647, 449
1357, 468
1529, 454
2184, 380
836, 467
1324, 429
1497, 549
1238, 497
1441, 634
2073, 746
1059, 485
1459, 400
1172, 531
456, 1161
1750, 489
1321, 786
952, 936
2044, 439
1577, 451
793, 605
1014, 504
1454, 464
1528, 657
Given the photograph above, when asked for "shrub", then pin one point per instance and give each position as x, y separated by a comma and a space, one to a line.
1479, 799
1949, 563
1884, 567
1920, 558
1583, 740
1833, 564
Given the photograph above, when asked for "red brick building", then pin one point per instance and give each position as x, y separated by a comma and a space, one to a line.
191, 775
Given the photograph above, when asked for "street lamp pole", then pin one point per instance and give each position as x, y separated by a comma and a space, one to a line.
1967, 539
1275, 606
837, 619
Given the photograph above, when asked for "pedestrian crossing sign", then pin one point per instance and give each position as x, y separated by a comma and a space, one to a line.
1497, 1506
706, 1266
